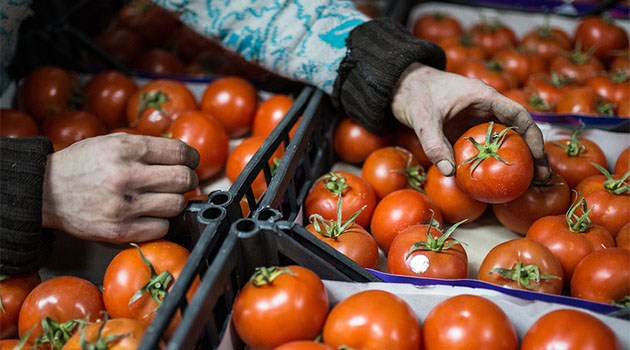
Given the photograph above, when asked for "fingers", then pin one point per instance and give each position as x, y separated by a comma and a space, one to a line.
162, 179
435, 145
140, 229
161, 205
158, 150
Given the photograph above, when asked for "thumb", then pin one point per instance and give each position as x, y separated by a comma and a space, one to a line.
436, 146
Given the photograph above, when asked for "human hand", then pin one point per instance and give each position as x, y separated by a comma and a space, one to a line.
118, 188
440, 106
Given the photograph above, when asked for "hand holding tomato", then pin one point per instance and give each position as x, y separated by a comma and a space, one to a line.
117, 188
438, 105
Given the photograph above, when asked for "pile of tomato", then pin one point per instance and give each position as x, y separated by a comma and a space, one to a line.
547, 70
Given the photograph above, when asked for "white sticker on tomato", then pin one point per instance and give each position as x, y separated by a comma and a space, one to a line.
419, 263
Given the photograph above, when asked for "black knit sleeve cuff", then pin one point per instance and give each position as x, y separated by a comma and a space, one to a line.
378, 53
23, 245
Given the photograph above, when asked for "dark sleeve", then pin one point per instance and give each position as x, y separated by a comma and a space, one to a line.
23, 245
378, 53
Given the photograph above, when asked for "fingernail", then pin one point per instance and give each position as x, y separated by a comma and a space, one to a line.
445, 167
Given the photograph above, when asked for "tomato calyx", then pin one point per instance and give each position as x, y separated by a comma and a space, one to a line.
157, 285
335, 183
76, 99
153, 99
2, 278
100, 343
439, 16
573, 147
415, 174
579, 224
579, 57
538, 102
489, 149
56, 334
605, 108
265, 275
522, 274
433, 244
24, 338
619, 76
334, 228
625, 302
494, 66
559, 80
611, 185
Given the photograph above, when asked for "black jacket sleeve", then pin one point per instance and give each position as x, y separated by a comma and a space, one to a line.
378, 53
23, 245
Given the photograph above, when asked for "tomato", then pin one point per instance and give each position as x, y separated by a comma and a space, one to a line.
454, 204
207, 135
13, 291
392, 168
459, 50
603, 276
493, 37
549, 87
195, 195
152, 22
436, 26
126, 289
355, 191
608, 199
121, 43
424, 251
602, 35
233, 101
486, 178
541, 199
571, 158
303, 345
570, 238
11, 344
547, 42
14, 123
533, 102
583, 100
620, 62
491, 73
107, 93
159, 61
520, 63
269, 114
399, 210
186, 43
354, 144
69, 127
153, 107
49, 90
579, 66
468, 322
372, 319
623, 237
622, 165
127, 334
406, 138
522, 263
615, 87
242, 154
569, 329
279, 305
623, 109
63, 299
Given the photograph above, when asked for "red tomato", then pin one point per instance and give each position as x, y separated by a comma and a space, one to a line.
127, 274
269, 113
127, 334
194, 194
279, 305
541, 199
602, 35
623, 109
459, 50
107, 93
583, 100
549, 88
486, 178
522, 263
159, 61
62, 299
390, 169
622, 165
49, 90
153, 107
355, 193
303, 345
454, 204
436, 26
621, 62
233, 101
67, 128
468, 322
533, 102
579, 66
424, 251
570, 238
572, 158
354, 144
493, 37
399, 210
373, 319
491, 73
520, 63
14, 123
407, 139
121, 43
13, 291
623, 237
603, 276
242, 154
615, 87
569, 329
152, 22
608, 199
11, 344
547, 42
207, 135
